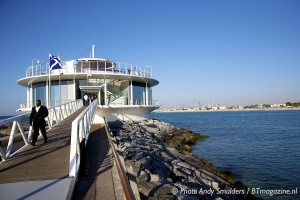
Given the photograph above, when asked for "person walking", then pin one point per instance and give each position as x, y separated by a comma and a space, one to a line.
37, 121
89, 100
86, 98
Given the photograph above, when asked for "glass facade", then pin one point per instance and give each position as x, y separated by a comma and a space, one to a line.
150, 96
39, 92
118, 92
139, 94
61, 92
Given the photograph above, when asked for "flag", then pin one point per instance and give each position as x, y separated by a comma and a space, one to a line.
54, 62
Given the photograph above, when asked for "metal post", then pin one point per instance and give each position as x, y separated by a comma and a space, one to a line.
11, 139
73, 152
131, 93
74, 95
49, 95
28, 96
105, 92
31, 100
59, 86
99, 97
147, 100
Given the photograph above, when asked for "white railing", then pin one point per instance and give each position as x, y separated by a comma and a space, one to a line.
30, 104
113, 67
59, 113
126, 101
117, 68
56, 115
81, 127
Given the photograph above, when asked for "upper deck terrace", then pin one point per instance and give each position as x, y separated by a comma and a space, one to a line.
92, 64
86, 67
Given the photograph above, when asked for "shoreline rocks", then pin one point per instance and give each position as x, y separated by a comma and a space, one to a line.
159, 155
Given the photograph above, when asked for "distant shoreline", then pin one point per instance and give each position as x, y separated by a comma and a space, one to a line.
224, 110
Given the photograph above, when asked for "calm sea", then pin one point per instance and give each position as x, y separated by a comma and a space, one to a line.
261, 147
4, 117
23, 119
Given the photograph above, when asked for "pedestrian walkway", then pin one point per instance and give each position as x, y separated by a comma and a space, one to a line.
41, 171
99, 179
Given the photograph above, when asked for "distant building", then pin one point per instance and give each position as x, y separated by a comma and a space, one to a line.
280, 105
222, 107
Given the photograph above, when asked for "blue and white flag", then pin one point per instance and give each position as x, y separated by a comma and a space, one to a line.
54, 62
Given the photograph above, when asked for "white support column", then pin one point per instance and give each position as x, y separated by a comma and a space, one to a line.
74, 89
131, 93
105, 92
28, 97
147, 96
47, 94
99, 97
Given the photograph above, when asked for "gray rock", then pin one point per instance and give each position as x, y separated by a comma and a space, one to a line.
185, 165
144, 177
155, 177
146, 187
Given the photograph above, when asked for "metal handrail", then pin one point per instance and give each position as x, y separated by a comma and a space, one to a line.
81, 127
30, 104
129, 194
56, 115
117, 68
60, 112
126, 101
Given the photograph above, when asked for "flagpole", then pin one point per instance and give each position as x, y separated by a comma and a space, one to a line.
54, 64
49, 93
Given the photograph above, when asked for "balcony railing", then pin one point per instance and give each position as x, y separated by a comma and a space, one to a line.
97, 67
127, 101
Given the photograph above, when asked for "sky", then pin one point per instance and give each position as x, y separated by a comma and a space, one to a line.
226, 52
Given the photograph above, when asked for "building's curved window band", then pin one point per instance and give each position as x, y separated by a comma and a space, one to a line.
61, 92
138, 95
39, 92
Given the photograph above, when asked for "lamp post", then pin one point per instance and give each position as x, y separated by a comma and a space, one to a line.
149, 71
37, 61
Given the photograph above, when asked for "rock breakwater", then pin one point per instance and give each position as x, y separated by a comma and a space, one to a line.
159, 155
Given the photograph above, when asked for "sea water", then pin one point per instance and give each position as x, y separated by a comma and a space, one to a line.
262, 148
4, 117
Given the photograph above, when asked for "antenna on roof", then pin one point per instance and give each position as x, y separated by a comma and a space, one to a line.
93, 51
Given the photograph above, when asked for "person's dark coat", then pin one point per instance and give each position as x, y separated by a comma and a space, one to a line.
38, 118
